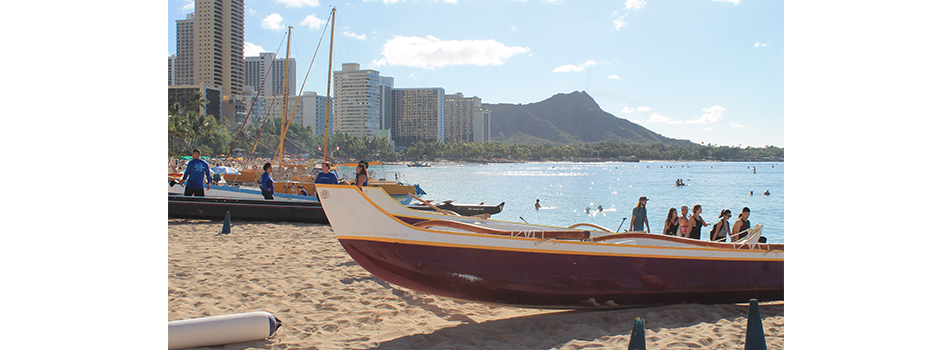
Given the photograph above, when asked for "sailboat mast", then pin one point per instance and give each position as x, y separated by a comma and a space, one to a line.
326, 120
283, 117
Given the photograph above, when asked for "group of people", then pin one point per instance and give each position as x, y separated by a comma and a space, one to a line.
197, 177
689, 225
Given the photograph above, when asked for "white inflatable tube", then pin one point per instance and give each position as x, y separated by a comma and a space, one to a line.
220, 330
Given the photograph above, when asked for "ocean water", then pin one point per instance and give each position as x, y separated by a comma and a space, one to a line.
565, 190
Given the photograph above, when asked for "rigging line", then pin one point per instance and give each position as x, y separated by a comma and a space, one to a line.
263, 122
254, 101
278, 154
304, 83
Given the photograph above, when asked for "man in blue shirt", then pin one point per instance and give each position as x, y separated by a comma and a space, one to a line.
640, 216
326, 177
195, 173
267, 183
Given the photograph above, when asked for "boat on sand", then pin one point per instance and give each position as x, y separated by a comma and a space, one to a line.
524, 265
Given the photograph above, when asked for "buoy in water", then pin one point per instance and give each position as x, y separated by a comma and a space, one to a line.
220, 330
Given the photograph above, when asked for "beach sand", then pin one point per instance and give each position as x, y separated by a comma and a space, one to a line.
301, 274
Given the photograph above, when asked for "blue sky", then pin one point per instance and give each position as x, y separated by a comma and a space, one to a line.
704, 70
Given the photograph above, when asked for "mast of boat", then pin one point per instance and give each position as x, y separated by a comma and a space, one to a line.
326, 119
279, 154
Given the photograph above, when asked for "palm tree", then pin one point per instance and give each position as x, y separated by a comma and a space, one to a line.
197, 102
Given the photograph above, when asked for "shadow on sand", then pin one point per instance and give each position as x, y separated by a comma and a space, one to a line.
556, 329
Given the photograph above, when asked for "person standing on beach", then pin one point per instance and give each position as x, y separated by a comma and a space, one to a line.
742, 224
537, 204
267, 182
720, 230
639, 216
696, 223
684, 222
672, 225
197, 171
326, 177
362, 178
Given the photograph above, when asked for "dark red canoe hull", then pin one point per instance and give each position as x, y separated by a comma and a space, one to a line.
569, 281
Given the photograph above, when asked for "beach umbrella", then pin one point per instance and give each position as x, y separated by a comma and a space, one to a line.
225, 170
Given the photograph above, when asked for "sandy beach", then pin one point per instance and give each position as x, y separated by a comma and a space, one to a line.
301, 274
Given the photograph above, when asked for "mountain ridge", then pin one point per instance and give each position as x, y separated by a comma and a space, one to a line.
566, 119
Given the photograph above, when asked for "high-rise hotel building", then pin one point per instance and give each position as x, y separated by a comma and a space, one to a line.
185, 51
359, 101
418, 115
267, 72
464, 118
210, 50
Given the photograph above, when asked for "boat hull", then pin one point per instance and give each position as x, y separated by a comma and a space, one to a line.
215, 208
463, 209
518, 266
566, 281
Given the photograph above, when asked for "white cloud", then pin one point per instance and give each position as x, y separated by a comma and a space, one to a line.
634, 4
732, 1
628, 5
619, 22
395, 1
574, 68
189, 6
712, 115
634, 110
353, 35
313, 22
736, 125
299, 3
708, 129
252, 50
758, 44
432, 52
272, 22
657, 118
514, 29
614, 77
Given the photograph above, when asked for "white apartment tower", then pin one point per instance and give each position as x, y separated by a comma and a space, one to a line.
461, 114
482, 126
219, 49
419, 115
358, 101
267, 72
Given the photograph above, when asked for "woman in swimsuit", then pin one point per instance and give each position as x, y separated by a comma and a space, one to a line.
684, 222
672, 224
696, 223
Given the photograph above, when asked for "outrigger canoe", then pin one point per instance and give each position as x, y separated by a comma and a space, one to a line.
462, 209
536, 266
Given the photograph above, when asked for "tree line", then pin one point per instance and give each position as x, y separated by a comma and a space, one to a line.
189, 129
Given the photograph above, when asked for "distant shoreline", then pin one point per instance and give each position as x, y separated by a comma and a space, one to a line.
434, 162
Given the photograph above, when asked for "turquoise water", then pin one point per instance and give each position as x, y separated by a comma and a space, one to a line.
566, 189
